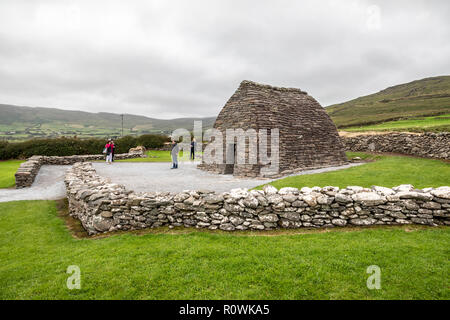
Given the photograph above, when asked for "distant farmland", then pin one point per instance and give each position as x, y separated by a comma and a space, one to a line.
22, 123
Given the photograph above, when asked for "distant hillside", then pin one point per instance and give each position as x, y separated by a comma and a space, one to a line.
19, 123
426, 97
416, 100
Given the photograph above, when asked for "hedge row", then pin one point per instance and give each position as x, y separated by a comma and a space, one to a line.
71, 146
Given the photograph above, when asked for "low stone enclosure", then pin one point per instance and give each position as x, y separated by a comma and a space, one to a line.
430, 145
102, 206
28, 170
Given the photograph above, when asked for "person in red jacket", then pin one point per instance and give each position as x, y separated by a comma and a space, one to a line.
109, 152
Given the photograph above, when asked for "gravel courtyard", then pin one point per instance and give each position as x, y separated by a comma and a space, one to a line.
140, 177
158, 176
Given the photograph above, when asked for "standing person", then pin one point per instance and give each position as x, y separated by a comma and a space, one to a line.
109, 148
193, 144
174, 153
113, 150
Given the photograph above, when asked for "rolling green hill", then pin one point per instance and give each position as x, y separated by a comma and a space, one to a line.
417, 99
421, 105
20, 123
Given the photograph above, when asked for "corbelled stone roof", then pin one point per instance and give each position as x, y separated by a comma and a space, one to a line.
266, 86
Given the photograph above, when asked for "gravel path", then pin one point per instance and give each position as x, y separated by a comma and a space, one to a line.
48, 185
156, 176
141, 177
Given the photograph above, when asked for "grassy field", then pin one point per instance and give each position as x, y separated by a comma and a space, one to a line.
36, 248
424, 124
420, 98
386, 171
7, 171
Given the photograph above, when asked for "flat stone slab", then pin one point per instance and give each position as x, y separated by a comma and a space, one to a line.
48, 185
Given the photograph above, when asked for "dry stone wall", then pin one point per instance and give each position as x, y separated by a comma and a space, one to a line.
431, 145
28, 170
102, 206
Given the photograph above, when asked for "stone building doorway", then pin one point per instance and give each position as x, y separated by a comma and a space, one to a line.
230, 159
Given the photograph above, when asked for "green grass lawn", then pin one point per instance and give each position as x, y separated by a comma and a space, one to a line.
435, 123
36, 248
7, 172
386, 171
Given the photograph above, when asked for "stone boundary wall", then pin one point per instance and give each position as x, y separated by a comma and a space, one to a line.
431, 145
29, 169
102, 206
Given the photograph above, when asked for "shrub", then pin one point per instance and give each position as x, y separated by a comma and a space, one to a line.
3, 146
71, 146
152, 141
125, 143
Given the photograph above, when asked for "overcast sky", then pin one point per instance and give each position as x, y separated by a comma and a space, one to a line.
168, 59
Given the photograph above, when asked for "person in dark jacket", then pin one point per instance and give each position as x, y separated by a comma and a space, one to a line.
193, 144
113, 150
174, 153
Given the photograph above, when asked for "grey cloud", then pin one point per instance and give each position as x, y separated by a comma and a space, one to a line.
185, 58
